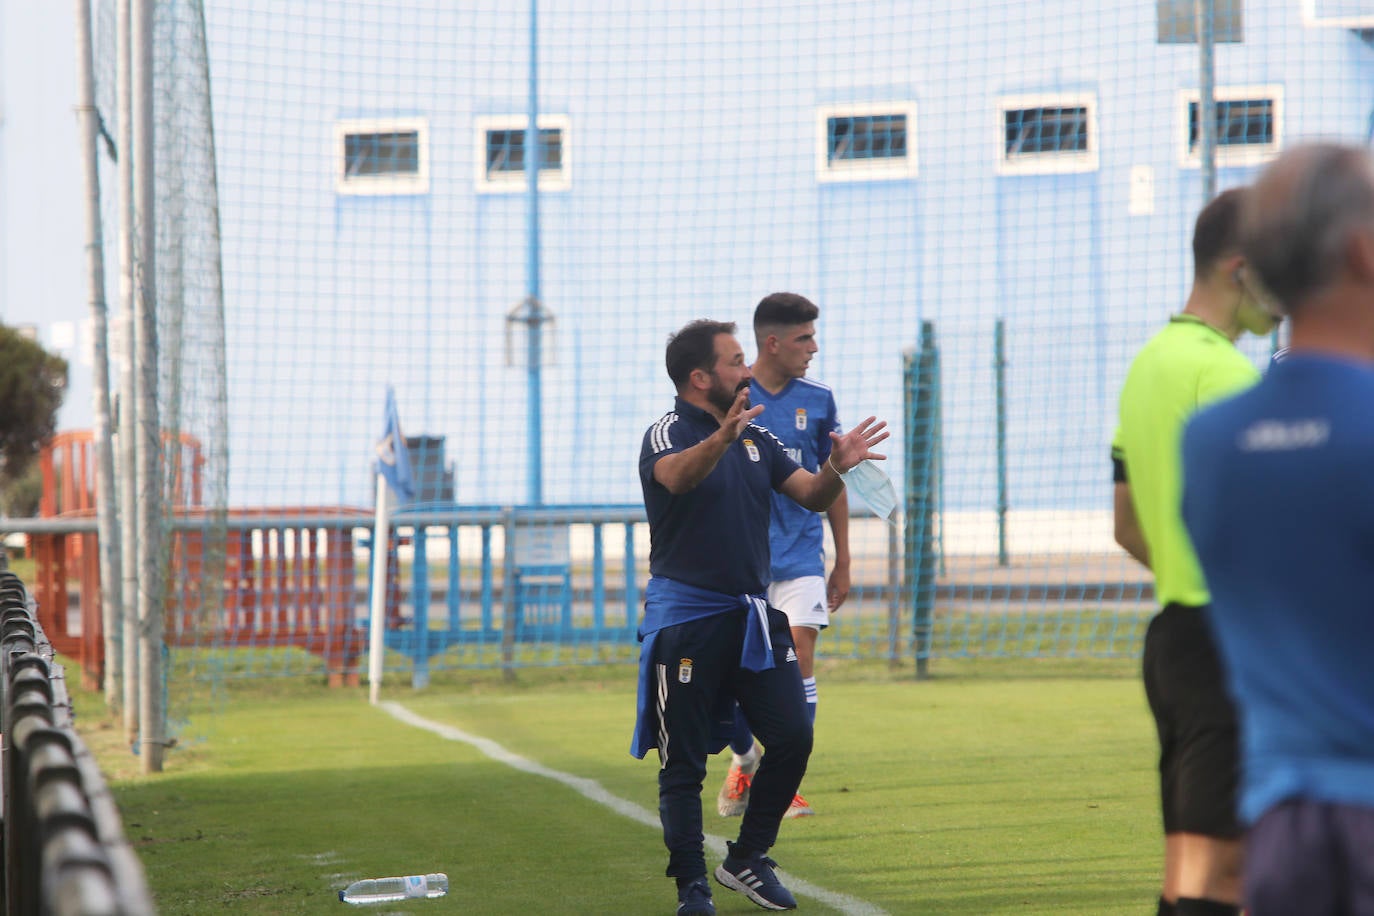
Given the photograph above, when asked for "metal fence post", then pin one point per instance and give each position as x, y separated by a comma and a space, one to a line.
508, 599
999, 365
921, 395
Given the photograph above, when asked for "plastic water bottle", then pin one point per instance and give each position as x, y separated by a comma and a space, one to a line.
390, 890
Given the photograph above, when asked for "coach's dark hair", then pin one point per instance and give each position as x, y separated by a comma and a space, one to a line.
782, 310
1297, 228
1216, 233
694, 347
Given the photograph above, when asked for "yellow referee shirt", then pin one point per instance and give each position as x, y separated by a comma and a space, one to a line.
1186, 365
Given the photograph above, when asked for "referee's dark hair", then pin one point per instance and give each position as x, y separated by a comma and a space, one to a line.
694, 347
1216, 233
1304, 212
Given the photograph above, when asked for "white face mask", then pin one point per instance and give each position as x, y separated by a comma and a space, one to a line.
871, 484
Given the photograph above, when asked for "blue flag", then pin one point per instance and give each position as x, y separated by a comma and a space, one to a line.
393, 460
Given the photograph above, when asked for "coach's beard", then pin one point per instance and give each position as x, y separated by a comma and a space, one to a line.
723, 398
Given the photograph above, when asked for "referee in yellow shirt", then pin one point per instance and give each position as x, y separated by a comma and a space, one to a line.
1190, 362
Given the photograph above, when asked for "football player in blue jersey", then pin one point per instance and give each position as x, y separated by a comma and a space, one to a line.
801, 413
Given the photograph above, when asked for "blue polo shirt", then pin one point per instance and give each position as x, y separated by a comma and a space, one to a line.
1279, 501
802, 415
715, 536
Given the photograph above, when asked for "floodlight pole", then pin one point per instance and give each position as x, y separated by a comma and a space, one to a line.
1207, 103
534, 305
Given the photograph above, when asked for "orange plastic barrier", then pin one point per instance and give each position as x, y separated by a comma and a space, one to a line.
283, 584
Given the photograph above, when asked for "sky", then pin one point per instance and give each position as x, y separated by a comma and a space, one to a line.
42, 265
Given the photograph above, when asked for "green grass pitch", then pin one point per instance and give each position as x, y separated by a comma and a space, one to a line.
990, 788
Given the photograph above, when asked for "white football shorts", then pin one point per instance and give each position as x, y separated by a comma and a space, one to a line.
802, 600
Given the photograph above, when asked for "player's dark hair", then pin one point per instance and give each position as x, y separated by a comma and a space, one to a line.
694, 347
1296, 229
785, 310
1216, 233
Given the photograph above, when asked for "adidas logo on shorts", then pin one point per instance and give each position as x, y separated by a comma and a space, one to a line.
791, 655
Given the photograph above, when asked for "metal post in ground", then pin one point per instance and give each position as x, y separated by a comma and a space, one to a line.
111, 605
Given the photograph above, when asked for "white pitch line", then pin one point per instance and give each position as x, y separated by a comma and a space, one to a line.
591, 789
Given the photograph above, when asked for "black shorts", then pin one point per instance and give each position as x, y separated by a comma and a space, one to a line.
1199, 753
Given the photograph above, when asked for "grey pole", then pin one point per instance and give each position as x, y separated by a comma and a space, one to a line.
128, 397
1207, 102
111, 613
149, 440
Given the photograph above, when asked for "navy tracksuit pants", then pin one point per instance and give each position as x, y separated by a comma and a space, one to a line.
694, 664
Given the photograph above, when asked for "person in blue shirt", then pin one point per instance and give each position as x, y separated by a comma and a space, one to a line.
709, 639
801, 412
1278, 499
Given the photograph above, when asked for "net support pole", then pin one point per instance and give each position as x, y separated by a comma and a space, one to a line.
152, 711
1207, 102
111, 613
920, 389
381, 559
128, 393
534, 160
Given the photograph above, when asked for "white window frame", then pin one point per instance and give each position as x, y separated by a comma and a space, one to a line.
549, 179
865, 169
1046, 163
1313, 20
417, 183
1229, 156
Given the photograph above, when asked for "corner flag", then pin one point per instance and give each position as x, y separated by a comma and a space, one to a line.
393, 470
393, 459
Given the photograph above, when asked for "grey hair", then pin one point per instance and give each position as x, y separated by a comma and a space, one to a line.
1295, 238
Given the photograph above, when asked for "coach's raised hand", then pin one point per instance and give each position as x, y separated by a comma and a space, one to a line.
738, 416
857, 445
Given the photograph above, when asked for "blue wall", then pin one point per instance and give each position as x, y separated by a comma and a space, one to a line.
694, 192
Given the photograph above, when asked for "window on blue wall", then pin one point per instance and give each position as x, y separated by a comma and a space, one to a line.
386, 153
1050, 133
501, 153
1249, 124
1178, 21
382, 156
506, 150
1242, 122
866, 141
855, 138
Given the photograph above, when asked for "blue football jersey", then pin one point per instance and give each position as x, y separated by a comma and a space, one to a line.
802, 415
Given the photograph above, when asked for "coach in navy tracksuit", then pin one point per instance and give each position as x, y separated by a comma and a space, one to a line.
709, 638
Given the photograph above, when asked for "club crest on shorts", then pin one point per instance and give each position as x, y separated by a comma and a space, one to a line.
801, 418
752, 449
684, 671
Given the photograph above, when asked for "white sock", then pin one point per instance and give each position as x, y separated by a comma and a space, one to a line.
747, 760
